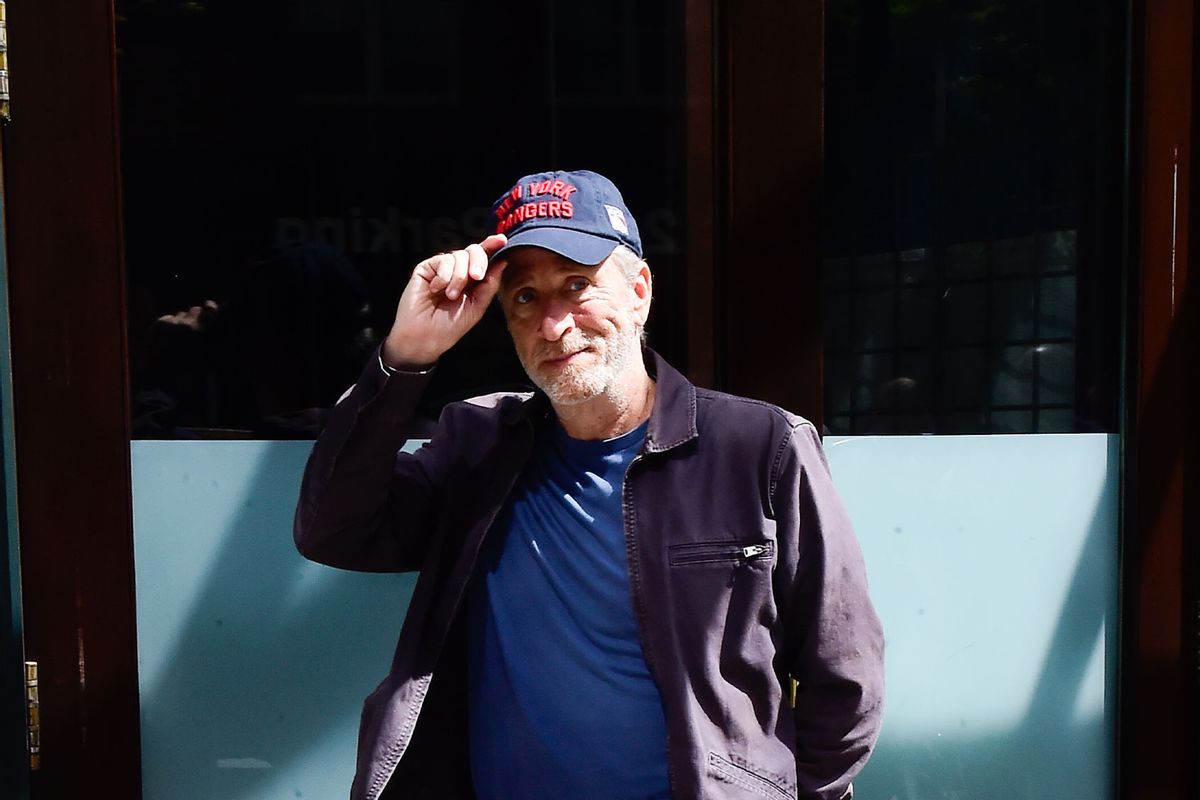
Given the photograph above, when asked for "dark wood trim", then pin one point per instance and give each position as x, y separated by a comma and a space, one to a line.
769, 242
14, 752
1158, 673
67, 293
700, 191
1191, 445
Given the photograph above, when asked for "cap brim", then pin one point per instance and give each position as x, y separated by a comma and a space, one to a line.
583, 248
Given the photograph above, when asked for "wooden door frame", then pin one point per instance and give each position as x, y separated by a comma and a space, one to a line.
1159, 627
66, 288
14, 744
767, 145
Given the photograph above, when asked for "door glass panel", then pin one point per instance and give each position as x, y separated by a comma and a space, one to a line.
972, 286
253, 663
973, 230
285, 165
996, 580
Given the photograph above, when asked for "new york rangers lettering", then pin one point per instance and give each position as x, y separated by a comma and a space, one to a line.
522, 203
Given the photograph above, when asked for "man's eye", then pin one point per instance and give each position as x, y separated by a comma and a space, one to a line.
577, 284
522, 297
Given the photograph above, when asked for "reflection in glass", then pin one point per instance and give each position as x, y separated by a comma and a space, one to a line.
286, 164
973, 200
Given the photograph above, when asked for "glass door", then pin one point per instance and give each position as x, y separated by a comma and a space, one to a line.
972, 290
284, 166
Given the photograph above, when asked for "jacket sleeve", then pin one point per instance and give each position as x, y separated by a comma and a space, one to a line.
834, 642
363, 505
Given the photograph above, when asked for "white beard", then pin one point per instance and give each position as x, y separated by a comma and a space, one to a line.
576, 384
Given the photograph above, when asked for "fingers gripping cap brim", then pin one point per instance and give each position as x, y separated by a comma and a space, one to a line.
582, 248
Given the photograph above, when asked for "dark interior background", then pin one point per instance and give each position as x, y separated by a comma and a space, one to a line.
292, 161
974, 191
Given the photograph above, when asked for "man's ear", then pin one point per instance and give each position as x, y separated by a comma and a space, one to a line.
643, 290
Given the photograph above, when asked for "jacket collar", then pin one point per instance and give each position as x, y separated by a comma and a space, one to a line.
672, 420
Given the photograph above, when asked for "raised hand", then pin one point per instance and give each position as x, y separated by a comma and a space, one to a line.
445, 297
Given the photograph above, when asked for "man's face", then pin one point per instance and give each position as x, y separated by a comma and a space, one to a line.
576, 327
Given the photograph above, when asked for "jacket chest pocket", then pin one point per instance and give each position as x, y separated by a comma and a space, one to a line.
753, 553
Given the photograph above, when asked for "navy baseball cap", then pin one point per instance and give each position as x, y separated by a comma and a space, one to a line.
579, 215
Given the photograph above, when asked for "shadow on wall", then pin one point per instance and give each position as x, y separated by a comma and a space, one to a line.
1014, 765
1052, 753
1063, 744
254, 663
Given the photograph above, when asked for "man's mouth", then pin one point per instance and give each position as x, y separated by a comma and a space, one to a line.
563, 359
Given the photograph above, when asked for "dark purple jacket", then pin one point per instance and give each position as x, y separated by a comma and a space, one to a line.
744, 570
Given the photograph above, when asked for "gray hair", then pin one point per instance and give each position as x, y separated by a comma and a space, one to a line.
630, 264
629, 261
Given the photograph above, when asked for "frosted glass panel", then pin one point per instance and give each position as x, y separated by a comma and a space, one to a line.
993, 563
253, 662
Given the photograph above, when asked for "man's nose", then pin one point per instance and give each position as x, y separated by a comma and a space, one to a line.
557, 321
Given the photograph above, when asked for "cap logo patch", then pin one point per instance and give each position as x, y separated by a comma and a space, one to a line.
578, 214
616, 218
520, 203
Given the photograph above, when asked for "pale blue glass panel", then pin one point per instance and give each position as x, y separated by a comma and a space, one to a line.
253, 662
993, 563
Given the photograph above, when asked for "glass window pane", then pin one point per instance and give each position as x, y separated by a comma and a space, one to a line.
286, 164
975, 151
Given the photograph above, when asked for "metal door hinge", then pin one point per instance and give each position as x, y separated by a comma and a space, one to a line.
34, 714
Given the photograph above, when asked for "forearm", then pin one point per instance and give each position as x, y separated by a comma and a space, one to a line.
837, 639
837, 723
350, 497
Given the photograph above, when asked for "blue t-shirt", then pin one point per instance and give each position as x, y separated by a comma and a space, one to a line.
562, 703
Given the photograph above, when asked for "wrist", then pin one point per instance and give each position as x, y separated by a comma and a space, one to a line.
395, 357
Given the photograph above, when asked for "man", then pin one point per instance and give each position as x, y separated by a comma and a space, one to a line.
621, 574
